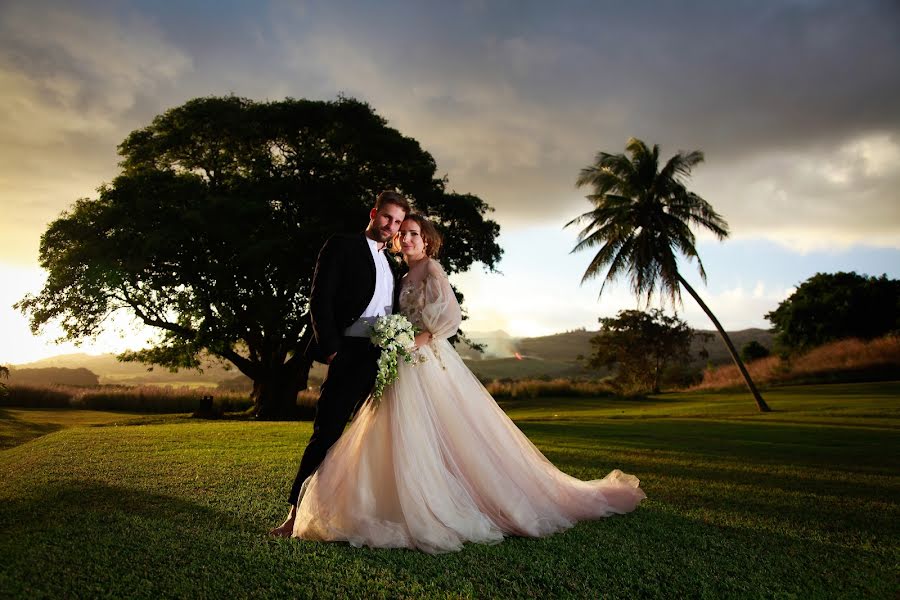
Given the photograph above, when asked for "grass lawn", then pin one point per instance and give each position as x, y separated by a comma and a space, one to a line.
19, 425
799, 503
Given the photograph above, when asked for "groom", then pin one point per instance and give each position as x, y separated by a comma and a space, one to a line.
354, 283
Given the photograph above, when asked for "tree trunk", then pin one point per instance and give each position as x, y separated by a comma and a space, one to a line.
274, 399
275, 392
657, 376
760, 403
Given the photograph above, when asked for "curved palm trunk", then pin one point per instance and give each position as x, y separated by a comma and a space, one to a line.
760, 403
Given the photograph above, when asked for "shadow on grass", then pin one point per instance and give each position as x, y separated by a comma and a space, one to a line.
829, 447
15, 431
91, 539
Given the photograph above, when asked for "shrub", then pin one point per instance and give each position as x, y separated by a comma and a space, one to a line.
753, 350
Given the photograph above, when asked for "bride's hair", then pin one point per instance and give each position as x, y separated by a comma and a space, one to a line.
430, 235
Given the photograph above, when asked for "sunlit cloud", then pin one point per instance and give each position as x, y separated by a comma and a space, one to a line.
68, 82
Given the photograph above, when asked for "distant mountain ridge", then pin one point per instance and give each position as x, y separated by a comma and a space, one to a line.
42, 375
553, 355
570, 344
111, 370
557, 355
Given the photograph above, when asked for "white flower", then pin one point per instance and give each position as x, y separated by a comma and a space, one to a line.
395, 335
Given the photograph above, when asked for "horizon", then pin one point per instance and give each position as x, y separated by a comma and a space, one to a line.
496, 344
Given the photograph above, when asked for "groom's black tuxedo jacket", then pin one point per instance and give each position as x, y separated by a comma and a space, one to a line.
342, 287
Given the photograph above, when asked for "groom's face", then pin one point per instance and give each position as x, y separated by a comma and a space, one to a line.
385, 222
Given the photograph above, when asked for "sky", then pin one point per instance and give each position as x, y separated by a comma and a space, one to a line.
795, 104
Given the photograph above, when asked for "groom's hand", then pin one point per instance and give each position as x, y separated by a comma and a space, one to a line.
331, 358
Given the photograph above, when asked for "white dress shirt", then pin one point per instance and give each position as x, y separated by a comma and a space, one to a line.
382, 301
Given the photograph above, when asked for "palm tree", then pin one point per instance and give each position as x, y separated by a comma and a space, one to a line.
641, 220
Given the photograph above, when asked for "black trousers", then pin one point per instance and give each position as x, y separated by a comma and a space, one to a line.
350, 378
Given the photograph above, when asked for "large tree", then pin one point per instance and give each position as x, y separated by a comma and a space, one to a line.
211, 230
642, 220
641, 345
833, 306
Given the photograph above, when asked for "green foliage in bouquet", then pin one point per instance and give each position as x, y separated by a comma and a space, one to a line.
395, 335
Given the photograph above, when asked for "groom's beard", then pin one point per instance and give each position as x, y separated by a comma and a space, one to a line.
382, 235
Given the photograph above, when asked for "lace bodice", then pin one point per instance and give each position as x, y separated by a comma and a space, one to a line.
412, 301
430, 304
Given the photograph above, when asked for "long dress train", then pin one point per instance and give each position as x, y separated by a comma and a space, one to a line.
437, 463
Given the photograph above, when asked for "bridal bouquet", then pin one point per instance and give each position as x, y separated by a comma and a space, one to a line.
395, 335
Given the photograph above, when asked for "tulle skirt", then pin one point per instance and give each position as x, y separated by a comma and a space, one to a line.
437, 463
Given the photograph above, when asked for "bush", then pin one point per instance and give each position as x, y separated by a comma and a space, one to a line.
753, 350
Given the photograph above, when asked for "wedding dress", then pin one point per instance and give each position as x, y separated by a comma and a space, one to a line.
437, 463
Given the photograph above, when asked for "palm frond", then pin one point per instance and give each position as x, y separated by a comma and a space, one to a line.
620, 262
642, 218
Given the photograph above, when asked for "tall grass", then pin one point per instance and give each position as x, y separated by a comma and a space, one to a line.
146, 399
31, 396
844, 360
149, 399
533, 388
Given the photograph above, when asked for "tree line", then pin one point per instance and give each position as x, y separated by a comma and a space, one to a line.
645, 346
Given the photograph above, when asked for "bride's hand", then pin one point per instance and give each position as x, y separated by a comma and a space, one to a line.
423, 338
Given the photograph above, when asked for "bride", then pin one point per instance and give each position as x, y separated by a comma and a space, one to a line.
437, 463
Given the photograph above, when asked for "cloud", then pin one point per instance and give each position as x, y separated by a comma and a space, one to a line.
826, 197
514, 104
737, 308
70, 80
794, 104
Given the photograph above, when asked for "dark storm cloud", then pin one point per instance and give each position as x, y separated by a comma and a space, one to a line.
514, 98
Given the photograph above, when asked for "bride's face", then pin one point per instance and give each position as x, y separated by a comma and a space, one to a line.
411, 243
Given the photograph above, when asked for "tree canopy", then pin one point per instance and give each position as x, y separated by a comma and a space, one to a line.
210, 232
833, 306
641, 345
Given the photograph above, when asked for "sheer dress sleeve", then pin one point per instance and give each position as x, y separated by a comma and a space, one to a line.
441, 314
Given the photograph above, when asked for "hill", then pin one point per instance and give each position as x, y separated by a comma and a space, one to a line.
557, 355
544, 356
61, 375
111, 371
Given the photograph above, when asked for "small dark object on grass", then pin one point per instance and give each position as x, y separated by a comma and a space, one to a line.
207, 410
